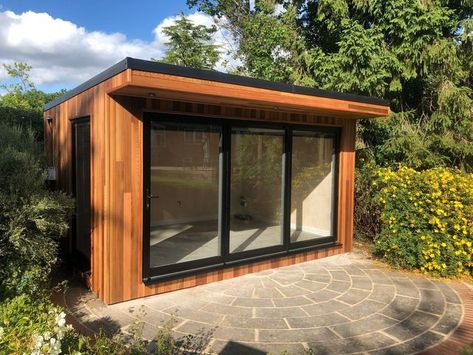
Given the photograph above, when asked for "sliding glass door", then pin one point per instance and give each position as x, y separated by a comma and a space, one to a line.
218, 192
312, 185
256, 188
183, 193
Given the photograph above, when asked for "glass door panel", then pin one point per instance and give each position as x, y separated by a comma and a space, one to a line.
312, 186
82, 191
184, 193
256, 188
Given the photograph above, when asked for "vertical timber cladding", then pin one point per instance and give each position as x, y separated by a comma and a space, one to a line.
117, 181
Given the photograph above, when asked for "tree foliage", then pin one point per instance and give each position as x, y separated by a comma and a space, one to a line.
190, 45
23, 103
418, 54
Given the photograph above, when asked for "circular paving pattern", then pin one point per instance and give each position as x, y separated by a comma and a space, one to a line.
338, 305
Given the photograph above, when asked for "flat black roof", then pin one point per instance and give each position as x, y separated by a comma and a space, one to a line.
155, 67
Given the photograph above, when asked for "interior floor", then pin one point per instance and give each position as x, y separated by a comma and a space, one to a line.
183, 242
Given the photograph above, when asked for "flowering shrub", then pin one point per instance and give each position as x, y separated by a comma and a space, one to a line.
36, 326
426, 219
32, 326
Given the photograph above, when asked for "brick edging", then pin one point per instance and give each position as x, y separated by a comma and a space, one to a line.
463, 335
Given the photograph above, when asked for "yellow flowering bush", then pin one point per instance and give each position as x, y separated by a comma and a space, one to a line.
426, 219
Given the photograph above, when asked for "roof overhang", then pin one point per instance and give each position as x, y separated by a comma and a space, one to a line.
158, 80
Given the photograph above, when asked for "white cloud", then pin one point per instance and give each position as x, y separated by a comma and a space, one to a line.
62, 52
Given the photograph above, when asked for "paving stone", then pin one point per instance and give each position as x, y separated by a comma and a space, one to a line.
369, 324
338, 305
354, 270
291, 301
235, 334
431, 301
79, 313
406, 288
324, 278
324, 295
268, 293
317, 321
413, 346
121, 319
253, 302
176, 310
269, 283
450, 319
192, 327
351, 345
361, 282
379, 277
325, 307
155, 318
340, 276
417, 323
232, 348
332, 267
152, 302
259, 323
363, 309
204, 317
339, 286
215, 298
449, 294
353, 296
104, 325
96, 306
396, 275
278, 313
287, 278
295, 335
231, 310
401, 307
382, 293
240, 292
291, 291
148, 331
422, 282
311, 285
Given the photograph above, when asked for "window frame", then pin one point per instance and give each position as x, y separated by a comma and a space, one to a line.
225, 258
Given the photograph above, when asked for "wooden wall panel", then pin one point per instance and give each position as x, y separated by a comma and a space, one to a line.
117, 183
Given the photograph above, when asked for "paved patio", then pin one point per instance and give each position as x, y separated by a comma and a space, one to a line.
338, 305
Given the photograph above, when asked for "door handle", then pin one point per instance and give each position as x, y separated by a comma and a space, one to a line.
149, 196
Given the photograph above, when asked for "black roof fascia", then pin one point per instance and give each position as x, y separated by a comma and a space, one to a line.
106, 74
211, 75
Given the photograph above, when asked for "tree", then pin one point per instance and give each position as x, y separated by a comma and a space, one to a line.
189, 45
23, 103
418, 54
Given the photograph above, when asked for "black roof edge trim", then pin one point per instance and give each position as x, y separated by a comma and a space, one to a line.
106, 74
211, 75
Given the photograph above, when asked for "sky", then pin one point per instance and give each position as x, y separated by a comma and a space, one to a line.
67, 42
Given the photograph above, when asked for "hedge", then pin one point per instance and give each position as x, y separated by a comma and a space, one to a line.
425, 219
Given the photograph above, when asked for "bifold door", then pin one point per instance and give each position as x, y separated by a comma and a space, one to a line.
220, 192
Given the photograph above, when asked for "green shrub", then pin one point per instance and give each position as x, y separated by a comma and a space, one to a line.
367, 210
34, 325
426, 219
32, 218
